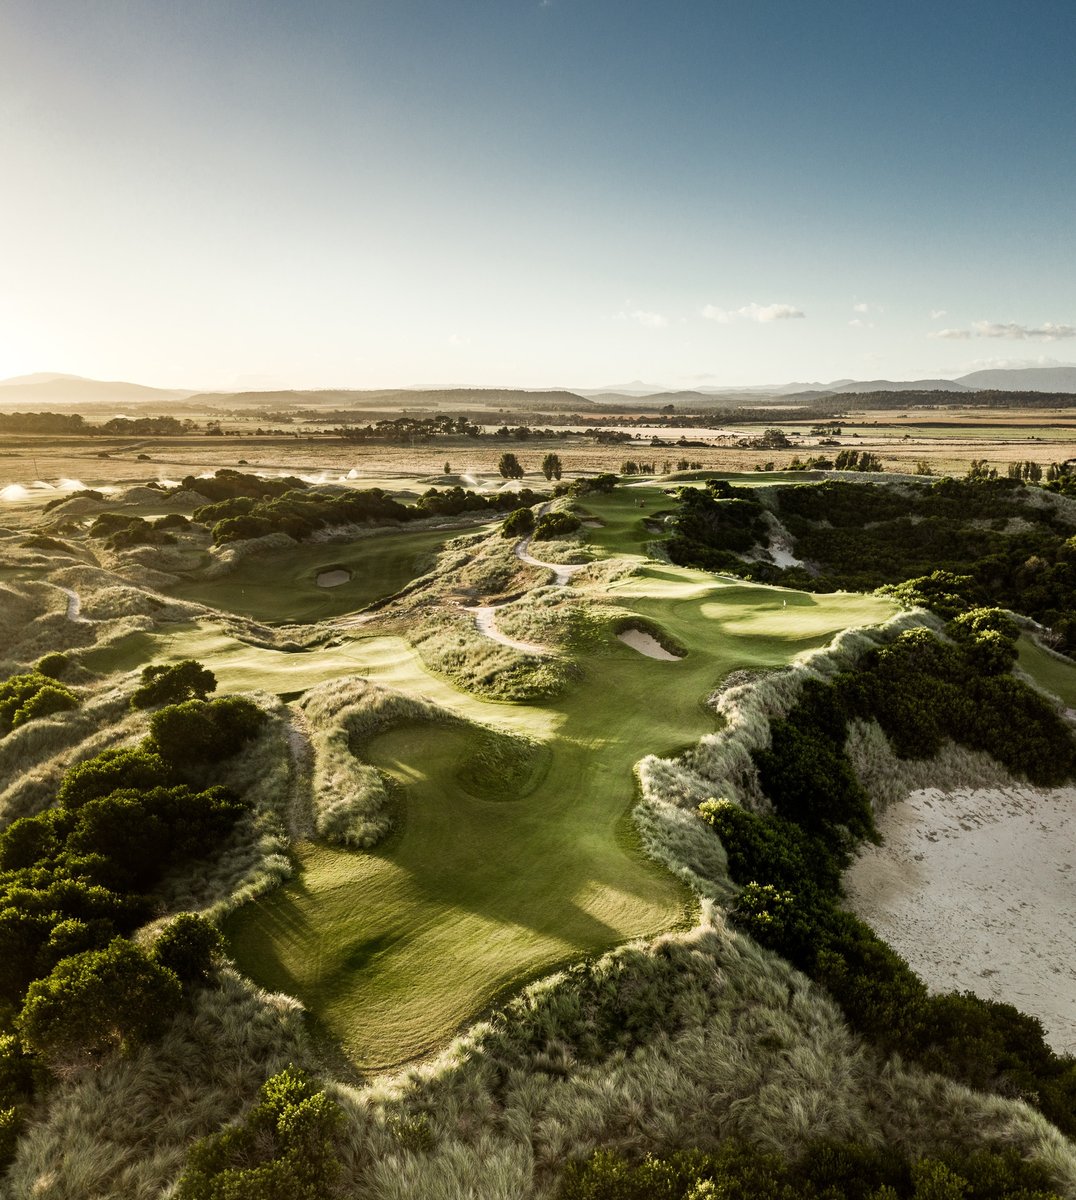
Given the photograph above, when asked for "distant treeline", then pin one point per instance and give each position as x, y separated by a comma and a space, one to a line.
73, 423
984, 399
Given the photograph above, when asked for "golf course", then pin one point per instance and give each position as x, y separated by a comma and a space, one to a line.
480, 888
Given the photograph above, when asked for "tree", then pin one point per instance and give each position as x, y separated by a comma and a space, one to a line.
172, 684
448, 468
551, 467
509, 467
98, 1001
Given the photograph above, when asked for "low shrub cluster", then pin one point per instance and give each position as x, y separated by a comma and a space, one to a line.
35, 693
922, 691
77, 879
121, 530
555, 524
826, 1171
286, 1148
715, 525
172, 683
300, 513
518, 523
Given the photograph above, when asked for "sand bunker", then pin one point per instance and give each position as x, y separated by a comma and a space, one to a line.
647, 644
333, 578
977, 890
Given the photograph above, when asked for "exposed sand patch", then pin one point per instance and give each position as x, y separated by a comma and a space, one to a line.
329, 579
486, 620
647, 644
976, 888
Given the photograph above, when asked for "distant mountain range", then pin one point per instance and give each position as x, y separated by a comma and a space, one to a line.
44, 389
73, 389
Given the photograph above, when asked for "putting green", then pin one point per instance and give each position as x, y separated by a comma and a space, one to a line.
283, 587
394, 949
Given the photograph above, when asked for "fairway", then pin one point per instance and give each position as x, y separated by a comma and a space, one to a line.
394, 949
1057, 675
283, 587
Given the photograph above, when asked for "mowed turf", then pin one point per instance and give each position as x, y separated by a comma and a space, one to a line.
394, 949
284, 587
1054, 674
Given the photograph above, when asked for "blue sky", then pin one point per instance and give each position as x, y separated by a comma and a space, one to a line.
550, 192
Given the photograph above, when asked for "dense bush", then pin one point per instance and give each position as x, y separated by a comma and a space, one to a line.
173, 683
204, 731
825, 1171
97, 1001
26, 697
518, 523
285, 1148
112, 770
719, 521
554, 525
187, 946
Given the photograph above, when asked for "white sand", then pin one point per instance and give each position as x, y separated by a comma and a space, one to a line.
329, 579
647, 644
977, 890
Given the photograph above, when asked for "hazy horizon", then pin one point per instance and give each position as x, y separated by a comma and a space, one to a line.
548, 193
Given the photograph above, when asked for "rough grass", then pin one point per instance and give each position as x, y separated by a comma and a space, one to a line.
350, 797
451, 645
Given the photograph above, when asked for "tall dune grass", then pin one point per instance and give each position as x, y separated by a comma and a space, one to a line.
350, 798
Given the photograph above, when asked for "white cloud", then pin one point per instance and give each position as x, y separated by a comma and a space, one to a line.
762, 313
651, 320
983, 364
1048, 331
454, 339
861, 308
857, 323
936, 314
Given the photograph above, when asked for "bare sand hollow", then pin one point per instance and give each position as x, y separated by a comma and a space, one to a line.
647, 644
976, 888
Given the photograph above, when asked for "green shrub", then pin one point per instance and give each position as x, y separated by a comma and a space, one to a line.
518, 523
114, 770
52, 666
98, 1001
26, 697
174, 683
187, 946
825, 1171
285, 1148
204, 731
554, 525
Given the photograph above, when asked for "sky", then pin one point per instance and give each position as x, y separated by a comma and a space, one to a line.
537, 193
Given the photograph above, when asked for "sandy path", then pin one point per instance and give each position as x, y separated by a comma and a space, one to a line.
74, 607
485, 617
300, 799
977, 890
